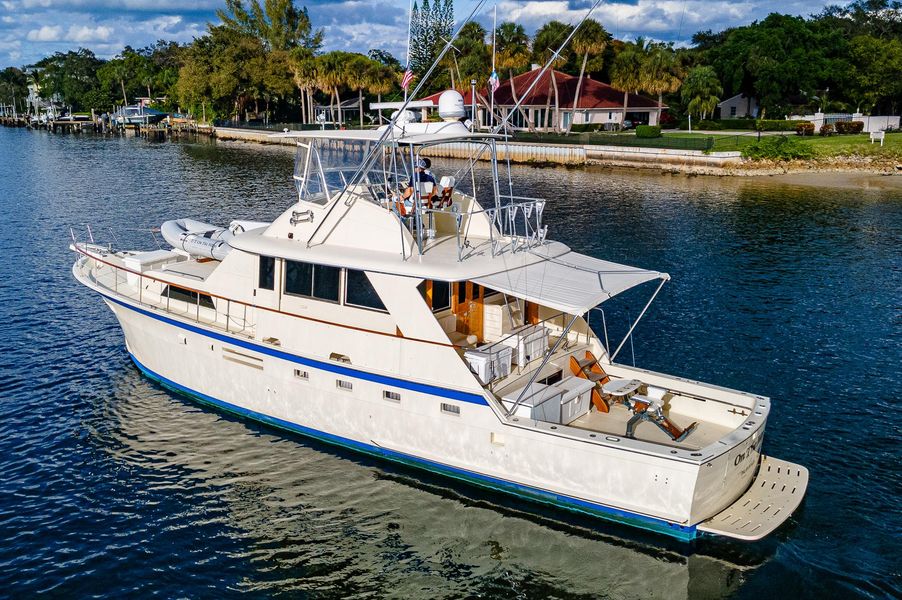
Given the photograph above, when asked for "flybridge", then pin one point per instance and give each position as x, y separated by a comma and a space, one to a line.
433, 203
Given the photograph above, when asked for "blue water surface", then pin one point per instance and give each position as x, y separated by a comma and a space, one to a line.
112, 486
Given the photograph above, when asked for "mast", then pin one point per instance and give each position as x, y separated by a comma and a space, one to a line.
494, 74
409, 25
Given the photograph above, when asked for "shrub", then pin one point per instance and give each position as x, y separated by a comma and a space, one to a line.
827, 129
648, 131
778, 147
759, 124
586, 127
856, 126
805, 128
703, 124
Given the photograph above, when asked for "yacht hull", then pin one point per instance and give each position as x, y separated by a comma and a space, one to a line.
249, 379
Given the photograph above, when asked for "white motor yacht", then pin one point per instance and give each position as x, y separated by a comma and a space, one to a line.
430, 320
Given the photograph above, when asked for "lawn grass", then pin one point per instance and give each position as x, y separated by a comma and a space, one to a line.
824, 147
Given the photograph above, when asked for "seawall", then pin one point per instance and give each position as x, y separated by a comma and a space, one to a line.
553, 154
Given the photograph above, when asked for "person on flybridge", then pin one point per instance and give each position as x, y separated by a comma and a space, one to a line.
421, 177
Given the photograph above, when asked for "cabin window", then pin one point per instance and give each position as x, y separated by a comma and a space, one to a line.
267, 279
314, 281
359, 291
298, 278
451, 409
174, 292
326, 282
389, 395
301, 374
344, 385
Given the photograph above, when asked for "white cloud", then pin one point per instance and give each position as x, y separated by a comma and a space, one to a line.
46, 33
83, 33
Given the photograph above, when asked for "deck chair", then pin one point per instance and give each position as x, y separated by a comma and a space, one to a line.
588, 368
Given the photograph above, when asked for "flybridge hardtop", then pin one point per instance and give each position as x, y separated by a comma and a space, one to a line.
416, 309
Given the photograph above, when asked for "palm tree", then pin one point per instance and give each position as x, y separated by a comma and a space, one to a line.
626, 73
701, 89
381, 80
547, 39
357, 77
661, 72
303, 67
330, 75
121, 72
512, 53
590, 39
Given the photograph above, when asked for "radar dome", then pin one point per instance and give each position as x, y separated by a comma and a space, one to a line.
451, 106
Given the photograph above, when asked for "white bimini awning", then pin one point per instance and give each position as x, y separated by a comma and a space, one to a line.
572, 283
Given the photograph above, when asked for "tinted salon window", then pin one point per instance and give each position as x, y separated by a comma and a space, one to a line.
267, 273
360, 292
298, 278
325, 282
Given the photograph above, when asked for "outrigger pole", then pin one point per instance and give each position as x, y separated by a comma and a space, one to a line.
374, 151
639, 318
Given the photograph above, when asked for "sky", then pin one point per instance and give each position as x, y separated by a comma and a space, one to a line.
32, 29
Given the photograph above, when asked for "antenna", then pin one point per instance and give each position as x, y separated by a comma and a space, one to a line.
374, 152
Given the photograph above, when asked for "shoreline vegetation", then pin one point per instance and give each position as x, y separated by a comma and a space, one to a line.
263, 62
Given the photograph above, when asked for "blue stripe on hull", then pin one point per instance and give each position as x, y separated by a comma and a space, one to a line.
424, 388
523, 491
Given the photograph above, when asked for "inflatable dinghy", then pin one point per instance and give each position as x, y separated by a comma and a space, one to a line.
203, 239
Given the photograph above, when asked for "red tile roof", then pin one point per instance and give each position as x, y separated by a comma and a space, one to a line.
592, 95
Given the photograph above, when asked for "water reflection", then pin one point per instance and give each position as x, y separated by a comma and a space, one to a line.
359, 525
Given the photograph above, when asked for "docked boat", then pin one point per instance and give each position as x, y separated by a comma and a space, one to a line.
411, 311
137, 114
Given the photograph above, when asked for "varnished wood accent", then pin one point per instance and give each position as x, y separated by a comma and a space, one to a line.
532, 313
429, 287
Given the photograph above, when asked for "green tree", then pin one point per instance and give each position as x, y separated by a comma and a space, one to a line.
13, 87
331, 75
381, 79
590, 41
69, 76
302, 64
279, 24
431, 25
358, 71
876, 73
547, 40
661, 72
512, 53
701, 90
626, 73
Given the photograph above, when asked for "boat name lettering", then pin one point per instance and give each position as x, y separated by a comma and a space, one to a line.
740, 458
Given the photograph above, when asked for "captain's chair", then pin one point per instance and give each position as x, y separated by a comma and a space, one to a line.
447, 186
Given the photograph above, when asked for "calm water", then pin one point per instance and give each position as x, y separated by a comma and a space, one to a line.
112, 486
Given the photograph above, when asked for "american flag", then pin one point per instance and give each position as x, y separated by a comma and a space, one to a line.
494, 82
408, 77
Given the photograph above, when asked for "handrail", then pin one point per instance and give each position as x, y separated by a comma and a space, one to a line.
272, 310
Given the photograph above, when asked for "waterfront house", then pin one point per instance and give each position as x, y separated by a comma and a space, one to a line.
598, 103
738, 107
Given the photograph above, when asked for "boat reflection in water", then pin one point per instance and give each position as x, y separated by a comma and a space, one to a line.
310, 516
